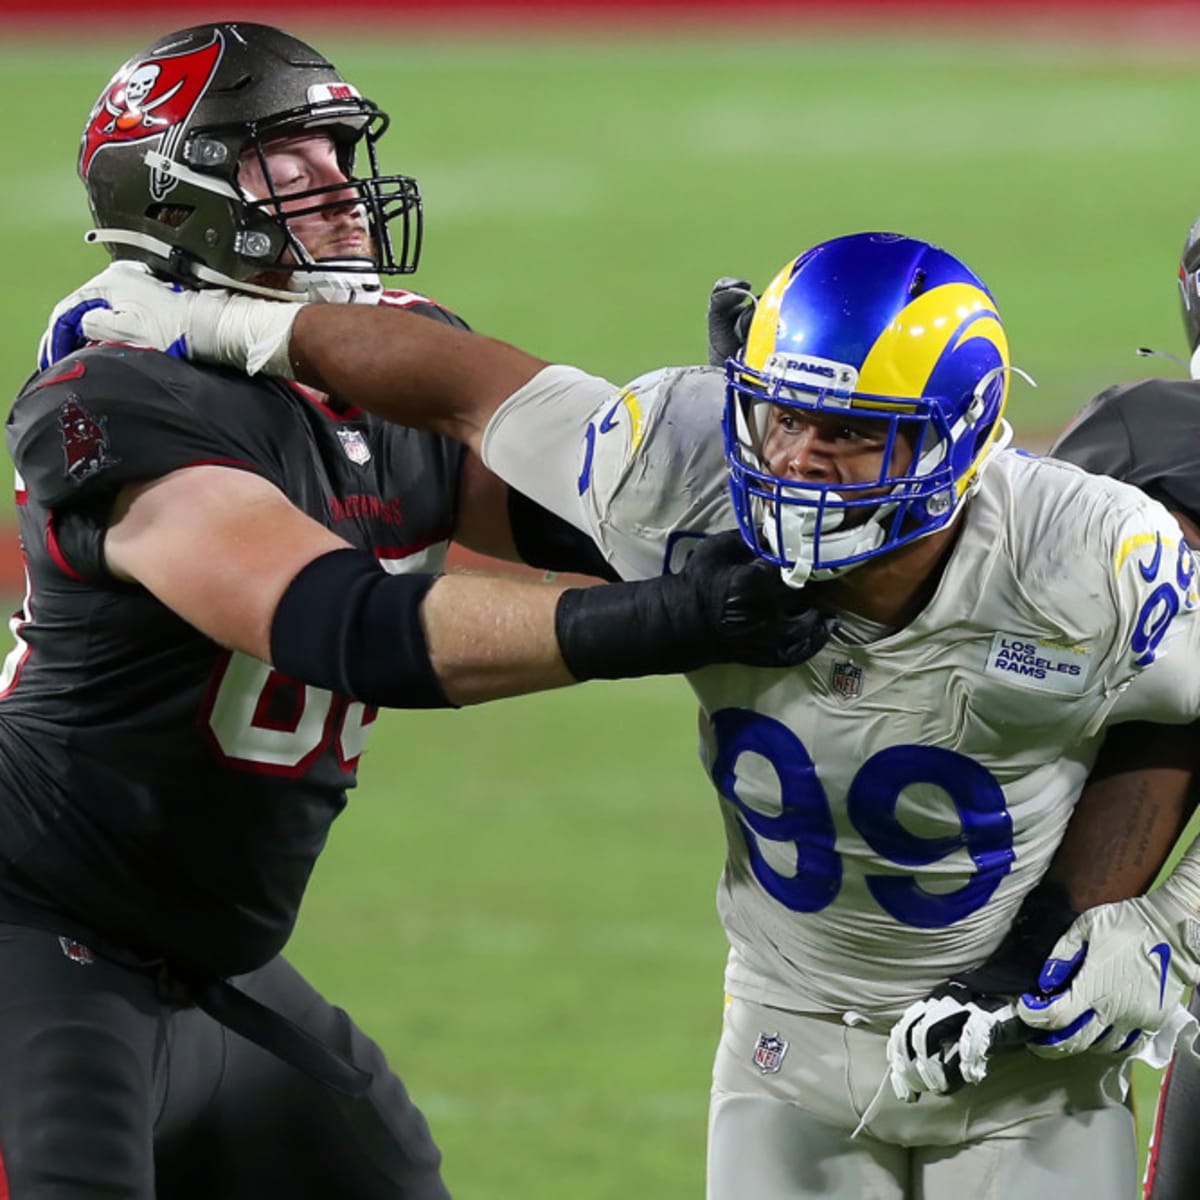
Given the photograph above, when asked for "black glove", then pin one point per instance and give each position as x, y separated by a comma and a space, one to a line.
730, 311
1044, 916
726, 605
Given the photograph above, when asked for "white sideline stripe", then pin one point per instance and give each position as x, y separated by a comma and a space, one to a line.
592, 49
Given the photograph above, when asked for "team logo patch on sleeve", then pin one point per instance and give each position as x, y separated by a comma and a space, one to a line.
1035, 663
84, 441
768, 1053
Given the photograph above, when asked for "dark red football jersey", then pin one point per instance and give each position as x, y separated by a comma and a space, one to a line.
156, 789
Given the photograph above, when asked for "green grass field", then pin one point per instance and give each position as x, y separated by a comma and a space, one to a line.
519, 900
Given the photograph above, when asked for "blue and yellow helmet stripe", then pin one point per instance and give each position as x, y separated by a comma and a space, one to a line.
889, 327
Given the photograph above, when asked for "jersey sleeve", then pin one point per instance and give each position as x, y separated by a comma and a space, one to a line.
423, 305
639, 469
110, 416
1153, 670
1135, 433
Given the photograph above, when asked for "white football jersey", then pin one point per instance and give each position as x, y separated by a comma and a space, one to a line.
887, 805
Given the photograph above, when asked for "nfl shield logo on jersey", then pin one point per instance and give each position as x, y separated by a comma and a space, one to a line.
355, 446
847, 680
768, 1053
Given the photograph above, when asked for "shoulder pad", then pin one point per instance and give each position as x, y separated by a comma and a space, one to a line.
1146, 434
415, 302
110, 415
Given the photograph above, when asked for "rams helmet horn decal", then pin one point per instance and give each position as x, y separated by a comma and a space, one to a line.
878, 326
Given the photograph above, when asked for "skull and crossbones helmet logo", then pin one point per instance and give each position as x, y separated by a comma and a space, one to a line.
132, 105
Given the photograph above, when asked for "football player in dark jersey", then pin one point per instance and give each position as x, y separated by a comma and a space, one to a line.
1148, 434
226, 576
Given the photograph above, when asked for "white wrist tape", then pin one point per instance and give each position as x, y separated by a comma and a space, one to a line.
243, 332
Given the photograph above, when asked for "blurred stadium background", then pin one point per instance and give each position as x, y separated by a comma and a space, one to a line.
519, 901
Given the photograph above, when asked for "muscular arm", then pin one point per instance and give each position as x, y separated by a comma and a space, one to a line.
1137, 801
408, 369
220, 546
1131, 813
1135, 805
227, 552
483, 523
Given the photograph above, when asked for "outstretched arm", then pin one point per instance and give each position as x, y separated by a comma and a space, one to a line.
408, 369
224, 549
411, 370
229, 553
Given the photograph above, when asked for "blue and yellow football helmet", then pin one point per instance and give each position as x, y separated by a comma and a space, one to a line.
874, 325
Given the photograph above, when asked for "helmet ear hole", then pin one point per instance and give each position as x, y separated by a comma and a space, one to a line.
173, 215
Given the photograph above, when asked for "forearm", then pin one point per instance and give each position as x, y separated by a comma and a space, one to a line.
489, 637
1136, 803
406, 368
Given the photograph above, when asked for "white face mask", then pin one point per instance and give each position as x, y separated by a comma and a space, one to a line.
798, 526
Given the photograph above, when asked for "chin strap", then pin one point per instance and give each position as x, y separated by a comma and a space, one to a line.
792, 534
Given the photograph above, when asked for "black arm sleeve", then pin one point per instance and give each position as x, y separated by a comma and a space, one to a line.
346, 625
547, 541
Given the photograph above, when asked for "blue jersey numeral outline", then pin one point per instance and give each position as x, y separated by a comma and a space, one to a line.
806, 820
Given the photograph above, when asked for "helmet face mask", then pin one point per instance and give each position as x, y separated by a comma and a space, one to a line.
161, 153
878, 330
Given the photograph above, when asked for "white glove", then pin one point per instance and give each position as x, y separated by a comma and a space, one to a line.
127, 303
1118, 974
946, 1040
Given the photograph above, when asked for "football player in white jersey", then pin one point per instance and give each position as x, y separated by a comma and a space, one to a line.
891, 803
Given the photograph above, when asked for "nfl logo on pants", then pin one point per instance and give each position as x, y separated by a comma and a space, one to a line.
768, 1052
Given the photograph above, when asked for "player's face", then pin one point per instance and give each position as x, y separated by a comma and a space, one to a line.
296, 164
830, 448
